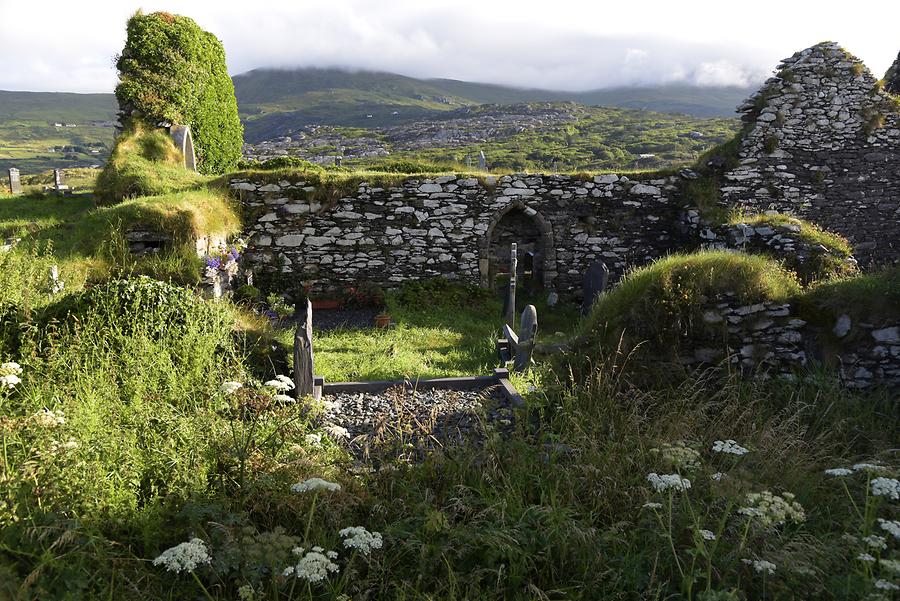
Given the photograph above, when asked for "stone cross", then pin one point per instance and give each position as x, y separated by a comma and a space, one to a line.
15, 185
304, 370
509, 305
593, 285
519, 348
482, 161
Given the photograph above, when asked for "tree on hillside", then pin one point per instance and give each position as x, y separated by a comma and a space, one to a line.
171, 71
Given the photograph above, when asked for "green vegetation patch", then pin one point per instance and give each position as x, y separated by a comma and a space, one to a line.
172, 71
661, 302
144, 162
871, 297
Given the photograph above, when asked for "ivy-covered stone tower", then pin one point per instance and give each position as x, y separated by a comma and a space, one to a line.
173, 72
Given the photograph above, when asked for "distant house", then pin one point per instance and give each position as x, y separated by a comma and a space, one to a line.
57, 125
646, 156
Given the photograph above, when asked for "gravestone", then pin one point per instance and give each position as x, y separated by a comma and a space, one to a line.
15, 184
184, 141
482, 161
58, 184
304, 369
509, 305
56, 284
519, 347
593, 285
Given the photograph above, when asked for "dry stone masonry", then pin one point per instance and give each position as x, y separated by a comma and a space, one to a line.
822, 142
461, 228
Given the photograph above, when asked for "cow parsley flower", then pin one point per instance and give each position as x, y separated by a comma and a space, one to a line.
357, 537
246, 593
652, 505
283, 398
314, 439
279, 385
10, 381
865, 557
718, 476
315, 484
679, 455
49, 419
892, 527
886, 487
729, 447
773, 510
884, 585
668, 481
707, 534
868, 467
230, 387
838, 472
185, 557
313, 567
761, 565
337, 431
874, 541
891, 565
10, 368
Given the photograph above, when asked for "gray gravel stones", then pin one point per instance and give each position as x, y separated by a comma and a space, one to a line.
408, 424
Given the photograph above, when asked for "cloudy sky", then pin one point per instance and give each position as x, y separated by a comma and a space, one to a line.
65, 45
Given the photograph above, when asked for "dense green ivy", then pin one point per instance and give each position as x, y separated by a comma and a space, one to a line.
172, 71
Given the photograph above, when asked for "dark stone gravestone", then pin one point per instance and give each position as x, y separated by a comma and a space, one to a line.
482, 161
519, 347
15, 184
304, 379
593, 285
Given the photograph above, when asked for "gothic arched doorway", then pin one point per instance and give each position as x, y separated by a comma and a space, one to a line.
533, 236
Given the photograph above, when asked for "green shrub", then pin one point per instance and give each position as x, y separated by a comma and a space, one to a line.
440, 291
411, 166
144, 162
171, 71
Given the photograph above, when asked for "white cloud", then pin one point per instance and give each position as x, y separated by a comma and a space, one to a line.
564, 44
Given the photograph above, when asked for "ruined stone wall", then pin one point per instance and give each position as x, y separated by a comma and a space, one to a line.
451, 227
823, 143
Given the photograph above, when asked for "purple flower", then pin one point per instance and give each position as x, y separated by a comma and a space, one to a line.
213, 262
271, 314
234, 254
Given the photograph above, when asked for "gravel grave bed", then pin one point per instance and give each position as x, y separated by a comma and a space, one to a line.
408, 424
344, 319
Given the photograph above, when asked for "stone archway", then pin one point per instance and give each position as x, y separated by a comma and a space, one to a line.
519, 223
184, 141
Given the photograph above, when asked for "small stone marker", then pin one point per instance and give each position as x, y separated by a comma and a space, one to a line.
15, 184
304, 378
482, 161
594, 283
56, 285
519, 348
58, 181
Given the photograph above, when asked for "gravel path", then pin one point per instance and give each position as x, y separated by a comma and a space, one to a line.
407, 424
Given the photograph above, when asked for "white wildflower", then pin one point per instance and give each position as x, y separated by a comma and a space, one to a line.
286, 380
298, 551
678, 455
337, 431
886, 487
885, 585
652, 505
283, 398
315, 484
313, 440
230, 387
313, 567
730, 447
868, 467
838, 471
761, 565
773, 510
69, 445
891, 565
331, 555
357, 537
184, 557
49, 419
278, 385
668, 481
718, 476
874, 541
231, 268
707, 534
892, 527
246, 593
865, 557
10, 381
11, 367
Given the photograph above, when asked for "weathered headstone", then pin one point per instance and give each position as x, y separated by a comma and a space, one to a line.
510, 304
482, 161
519, 347
15, 184
58, 184
304, 370
56, 285
593, 285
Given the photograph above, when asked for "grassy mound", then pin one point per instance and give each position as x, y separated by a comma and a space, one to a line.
871, 297
144, 162
661, 303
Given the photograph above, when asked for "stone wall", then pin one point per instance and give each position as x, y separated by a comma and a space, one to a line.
460, 228
772, 339
822, 142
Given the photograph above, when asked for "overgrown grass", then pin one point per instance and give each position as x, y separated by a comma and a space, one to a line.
144, 162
